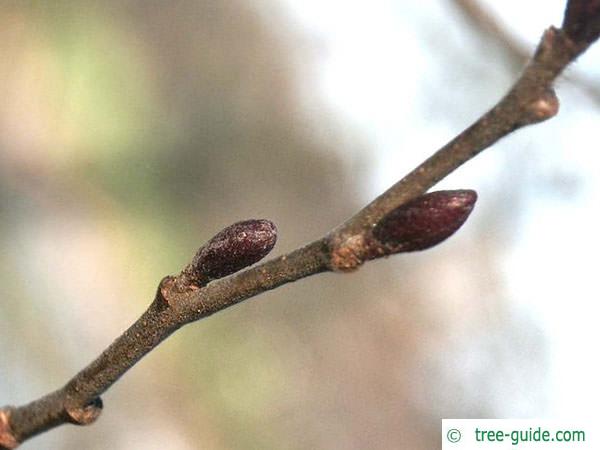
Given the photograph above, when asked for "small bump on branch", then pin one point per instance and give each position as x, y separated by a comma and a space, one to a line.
543, 108
87, 414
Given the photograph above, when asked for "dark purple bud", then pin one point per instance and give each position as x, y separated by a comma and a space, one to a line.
237, 246
425, 221
582, 20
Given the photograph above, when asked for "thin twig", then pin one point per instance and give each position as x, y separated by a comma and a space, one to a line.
187, 298
482, 20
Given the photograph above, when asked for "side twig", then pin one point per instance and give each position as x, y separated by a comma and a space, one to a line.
401, 219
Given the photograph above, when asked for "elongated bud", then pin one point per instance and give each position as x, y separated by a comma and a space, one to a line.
417, 225
237, 246
425, 221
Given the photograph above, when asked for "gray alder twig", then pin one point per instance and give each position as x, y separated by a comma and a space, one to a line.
187, 298
487, 25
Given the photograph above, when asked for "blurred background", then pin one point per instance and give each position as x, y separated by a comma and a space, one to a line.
132, 131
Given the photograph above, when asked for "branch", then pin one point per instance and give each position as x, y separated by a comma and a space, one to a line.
487, 25
399, 220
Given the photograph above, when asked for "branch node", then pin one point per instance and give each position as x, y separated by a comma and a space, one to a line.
7, 437
543, 108
348, 255
85, 415
164, 291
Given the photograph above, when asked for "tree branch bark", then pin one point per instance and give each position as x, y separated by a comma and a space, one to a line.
487, 25
193, 294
